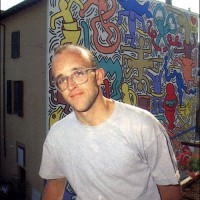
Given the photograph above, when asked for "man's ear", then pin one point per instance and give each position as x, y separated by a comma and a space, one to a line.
100, 76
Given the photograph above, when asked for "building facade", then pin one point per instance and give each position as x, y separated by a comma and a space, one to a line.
23, 94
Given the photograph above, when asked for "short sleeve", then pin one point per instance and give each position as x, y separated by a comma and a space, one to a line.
49, 165
162, 161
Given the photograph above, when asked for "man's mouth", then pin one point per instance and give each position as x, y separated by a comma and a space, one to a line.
76, 94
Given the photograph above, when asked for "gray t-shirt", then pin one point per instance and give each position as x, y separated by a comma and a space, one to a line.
124, 158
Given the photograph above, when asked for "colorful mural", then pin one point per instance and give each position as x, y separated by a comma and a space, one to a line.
148, 51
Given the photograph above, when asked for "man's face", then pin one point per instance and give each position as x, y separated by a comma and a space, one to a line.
80, 97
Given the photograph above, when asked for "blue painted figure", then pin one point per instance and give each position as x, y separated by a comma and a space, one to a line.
157, 92
134, 11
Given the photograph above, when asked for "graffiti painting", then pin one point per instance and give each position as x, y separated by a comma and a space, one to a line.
148, 50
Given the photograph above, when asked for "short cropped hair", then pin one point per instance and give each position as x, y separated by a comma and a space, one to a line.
79, 49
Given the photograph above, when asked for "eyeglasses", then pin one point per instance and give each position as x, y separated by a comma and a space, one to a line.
79, 77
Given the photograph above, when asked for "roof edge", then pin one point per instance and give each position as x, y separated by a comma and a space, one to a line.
17, 8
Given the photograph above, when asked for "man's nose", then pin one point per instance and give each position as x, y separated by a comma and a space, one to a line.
71, 83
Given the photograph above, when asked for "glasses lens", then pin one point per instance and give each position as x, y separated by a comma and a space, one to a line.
79, 76
61, 83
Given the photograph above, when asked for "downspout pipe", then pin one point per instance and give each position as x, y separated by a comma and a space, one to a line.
3, 104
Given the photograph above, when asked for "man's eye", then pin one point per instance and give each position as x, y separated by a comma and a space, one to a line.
78, 73
61, 80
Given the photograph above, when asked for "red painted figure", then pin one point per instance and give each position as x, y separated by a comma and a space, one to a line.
169, 104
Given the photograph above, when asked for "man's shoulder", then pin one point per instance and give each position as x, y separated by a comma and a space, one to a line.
64, 122
61, 128
133, 109
137, 115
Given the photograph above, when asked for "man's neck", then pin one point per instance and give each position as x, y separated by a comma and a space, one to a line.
98, 113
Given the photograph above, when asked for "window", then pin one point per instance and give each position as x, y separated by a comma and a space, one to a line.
15, 44
21, 164
21, 155
15, 97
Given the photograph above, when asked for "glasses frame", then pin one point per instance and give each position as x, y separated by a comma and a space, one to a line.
85, 70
